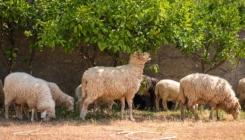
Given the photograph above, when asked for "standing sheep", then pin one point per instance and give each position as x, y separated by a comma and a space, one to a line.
167, 90
22, 88
203, 88
110, 83
241, 91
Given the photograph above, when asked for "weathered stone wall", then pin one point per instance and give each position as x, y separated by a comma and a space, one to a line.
66, 69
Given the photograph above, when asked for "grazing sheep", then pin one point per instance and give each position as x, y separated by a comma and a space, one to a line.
167, 90
22, 88
241, 91
110, 83
98, 103
60, 98
203, 88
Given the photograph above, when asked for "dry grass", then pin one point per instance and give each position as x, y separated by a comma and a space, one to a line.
148, 125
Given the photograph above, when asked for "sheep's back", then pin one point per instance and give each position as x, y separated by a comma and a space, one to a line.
22, 88
168, 89
111, 82
203, 88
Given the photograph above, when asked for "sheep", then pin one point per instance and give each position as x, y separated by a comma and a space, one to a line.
60, 98
241, 91
204, 88
150, 83
22, 88
98, 103
167, 90
110, 83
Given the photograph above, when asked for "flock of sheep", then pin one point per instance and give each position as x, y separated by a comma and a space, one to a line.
103, 85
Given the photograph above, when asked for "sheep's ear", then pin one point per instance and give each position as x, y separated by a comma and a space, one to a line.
71, 102
43, 114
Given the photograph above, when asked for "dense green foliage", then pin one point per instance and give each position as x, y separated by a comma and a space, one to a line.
207, 30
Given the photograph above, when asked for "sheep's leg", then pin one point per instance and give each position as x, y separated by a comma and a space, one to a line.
164, 104
80, 101
152, 96
32, 114
175, 105
36, 117
85, 104
192, 109
130, 102
6, 111
217, 114
122, 107
157, 102
211, 113
182, 106
26, 111
17, 109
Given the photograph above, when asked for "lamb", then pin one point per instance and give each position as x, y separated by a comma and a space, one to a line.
60, 98
203, 88
167, 90
98, 103
29, 90
241, 91
110, 83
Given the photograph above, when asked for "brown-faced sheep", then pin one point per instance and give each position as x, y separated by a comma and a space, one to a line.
150, 83
167, 90
22, 88
203, 88
241, 92
110, 83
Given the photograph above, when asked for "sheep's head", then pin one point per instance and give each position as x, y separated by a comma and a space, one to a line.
70, 104
235, 110
140, 57
46, 115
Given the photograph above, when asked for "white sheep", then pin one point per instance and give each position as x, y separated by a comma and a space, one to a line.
97, 104
60, 98
167, 90
241, 91
22, 88
203, 88
110, 83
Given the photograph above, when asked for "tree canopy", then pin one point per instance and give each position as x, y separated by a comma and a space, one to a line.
207, 30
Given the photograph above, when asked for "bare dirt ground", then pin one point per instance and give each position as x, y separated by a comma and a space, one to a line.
148, 125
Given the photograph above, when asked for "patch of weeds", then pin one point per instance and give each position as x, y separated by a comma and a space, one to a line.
222, 114
62, 112
93, 121
242, 114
